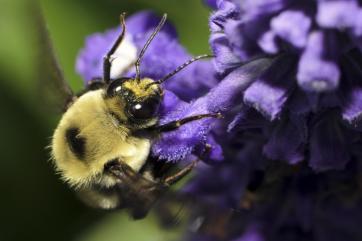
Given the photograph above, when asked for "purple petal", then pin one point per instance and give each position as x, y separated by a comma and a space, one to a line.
243, 36
268, 42
292, 26
169, 103
226, 10
178, 144
287, 140
337, 14
328, 144
255, 8
316, 71
225, 95
351, 91
225, 59
357, 28
270, 92
352, 112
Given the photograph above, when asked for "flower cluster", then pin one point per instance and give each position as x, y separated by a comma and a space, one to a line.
312, 90
292, 147
287, 79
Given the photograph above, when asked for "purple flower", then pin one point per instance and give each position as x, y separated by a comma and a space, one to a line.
315, 66
292, 148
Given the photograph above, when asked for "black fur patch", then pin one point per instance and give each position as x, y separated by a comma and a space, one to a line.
76, 143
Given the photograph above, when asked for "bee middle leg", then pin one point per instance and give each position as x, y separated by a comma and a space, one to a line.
173, 125
174, 178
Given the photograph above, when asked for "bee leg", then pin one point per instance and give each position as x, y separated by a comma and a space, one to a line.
108, 58
95, 84
139, 193
173, 125
170, 180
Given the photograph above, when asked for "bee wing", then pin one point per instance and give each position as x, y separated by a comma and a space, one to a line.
175, 209
53, 88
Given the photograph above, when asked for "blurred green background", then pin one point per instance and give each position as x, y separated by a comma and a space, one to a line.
34, 204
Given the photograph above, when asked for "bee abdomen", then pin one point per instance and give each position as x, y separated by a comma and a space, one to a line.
76, 143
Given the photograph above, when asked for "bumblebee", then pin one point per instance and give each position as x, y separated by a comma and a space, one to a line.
101, 146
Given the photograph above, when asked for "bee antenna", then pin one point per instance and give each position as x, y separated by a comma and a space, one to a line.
149, 40
181, 67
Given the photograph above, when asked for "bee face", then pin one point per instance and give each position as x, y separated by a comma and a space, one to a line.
136, 102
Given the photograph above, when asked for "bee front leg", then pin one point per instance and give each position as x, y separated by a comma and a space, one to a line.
108, 58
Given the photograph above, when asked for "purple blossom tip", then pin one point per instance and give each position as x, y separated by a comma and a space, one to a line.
337, 14
265, 98
268, 42
292, 26
352, 112
315, 72
269, 93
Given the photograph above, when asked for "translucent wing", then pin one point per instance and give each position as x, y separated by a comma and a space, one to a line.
53, 89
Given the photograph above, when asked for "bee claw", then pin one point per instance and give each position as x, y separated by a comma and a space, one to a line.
219, 115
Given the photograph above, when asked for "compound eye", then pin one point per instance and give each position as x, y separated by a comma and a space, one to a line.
115, 87
145, 110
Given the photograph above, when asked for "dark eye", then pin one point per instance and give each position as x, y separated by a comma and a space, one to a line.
115, 87
144, 110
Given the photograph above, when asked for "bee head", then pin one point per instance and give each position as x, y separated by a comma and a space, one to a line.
135, 101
